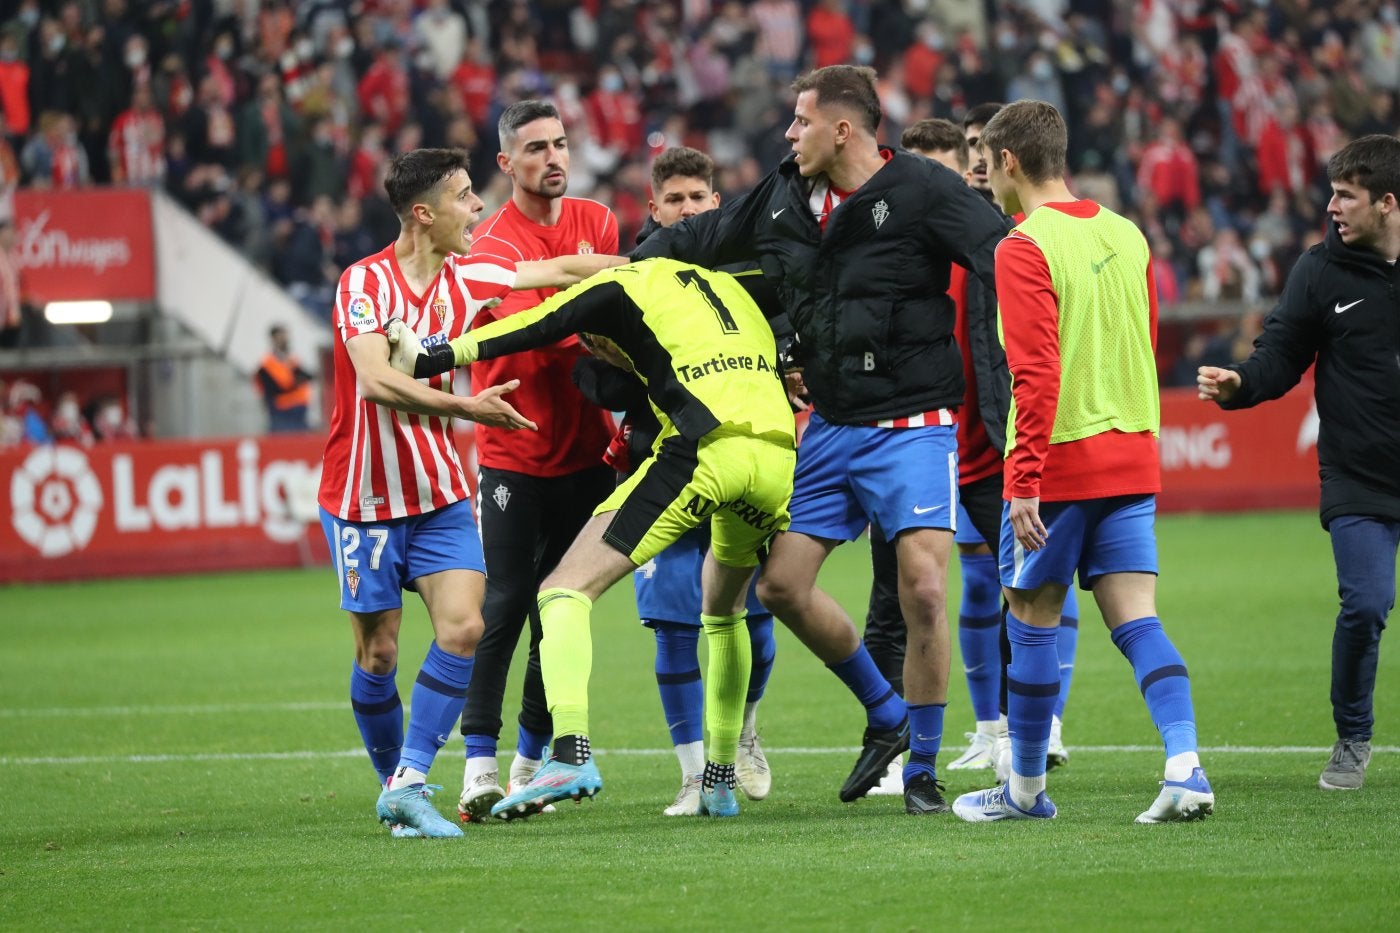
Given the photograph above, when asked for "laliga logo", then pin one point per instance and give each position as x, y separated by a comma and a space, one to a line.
55, 498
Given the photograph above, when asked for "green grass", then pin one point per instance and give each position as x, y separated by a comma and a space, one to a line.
176, 754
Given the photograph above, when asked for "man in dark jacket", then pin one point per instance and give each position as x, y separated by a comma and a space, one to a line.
1339, 308
860, 241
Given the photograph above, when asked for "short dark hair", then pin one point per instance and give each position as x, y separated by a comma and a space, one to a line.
1373, 162
520, 113
1035, 133
982, 114
851, 86
682, 162
417, 172
936, 135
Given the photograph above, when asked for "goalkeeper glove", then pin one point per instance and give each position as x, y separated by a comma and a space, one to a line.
408, 355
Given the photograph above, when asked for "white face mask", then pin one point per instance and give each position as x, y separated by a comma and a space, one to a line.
135, 58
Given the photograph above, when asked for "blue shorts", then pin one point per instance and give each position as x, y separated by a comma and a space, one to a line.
1091, 536
967, 532
376, 561
668, 585
850, 476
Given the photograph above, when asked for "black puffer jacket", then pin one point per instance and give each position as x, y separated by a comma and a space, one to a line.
1340, 307
867, 298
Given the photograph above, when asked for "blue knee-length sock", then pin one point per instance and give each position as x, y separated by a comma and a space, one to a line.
678, 680
884, 709
764, 649
1032, 684
1161, 676
925, 736
1066, 645
979, 633
374, 698
530, 744
439, 694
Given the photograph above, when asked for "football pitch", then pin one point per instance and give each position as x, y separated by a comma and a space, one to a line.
179, 754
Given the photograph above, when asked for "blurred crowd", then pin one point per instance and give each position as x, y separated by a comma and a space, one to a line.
1209, 123
26, 417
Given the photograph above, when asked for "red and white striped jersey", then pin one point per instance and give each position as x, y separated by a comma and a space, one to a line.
380, 463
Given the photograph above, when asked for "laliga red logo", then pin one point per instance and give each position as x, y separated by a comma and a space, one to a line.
54, 500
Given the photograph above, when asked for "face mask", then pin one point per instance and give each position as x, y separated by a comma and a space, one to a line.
57, 43
68, 410
612, 83
1120, 85
1259, 250
345, 47
305, 48
29, 17
934, 41
864, 55
135, 58
1388, 15
1006, 39
1042, 70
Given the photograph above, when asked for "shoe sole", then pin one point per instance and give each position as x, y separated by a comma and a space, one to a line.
1055, 760
1193, 812
527, 808
479, 807
756, 793
1322, 783
930, 811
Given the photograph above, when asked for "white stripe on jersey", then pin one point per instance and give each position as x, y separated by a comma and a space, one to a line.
390, 464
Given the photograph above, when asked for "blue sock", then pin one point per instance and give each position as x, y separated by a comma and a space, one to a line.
765, 649
1067, 644
979, 633
925, 736
374, 698
884, 709
1032, 684
678, 679
480, 746
531, 744
1161, 676
439, 694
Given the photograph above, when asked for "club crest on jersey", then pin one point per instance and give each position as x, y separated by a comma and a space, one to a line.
440, 309
881, 211
585, 248
501, 497
352, 582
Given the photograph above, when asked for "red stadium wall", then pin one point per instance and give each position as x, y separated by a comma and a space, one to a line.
159, 507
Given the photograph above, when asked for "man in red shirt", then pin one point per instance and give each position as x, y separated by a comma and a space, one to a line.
536, 489
1079, 321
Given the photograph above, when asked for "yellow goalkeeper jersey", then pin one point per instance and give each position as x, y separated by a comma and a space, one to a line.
693, 336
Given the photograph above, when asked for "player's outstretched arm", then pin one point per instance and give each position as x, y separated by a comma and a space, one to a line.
562, 271
381, 383
1214, 384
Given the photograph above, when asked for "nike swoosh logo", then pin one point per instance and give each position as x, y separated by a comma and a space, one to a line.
972, 670
1341, 307
932, 508
926, 738
1098, 266
777, 212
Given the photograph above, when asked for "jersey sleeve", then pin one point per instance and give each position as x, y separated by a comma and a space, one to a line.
578, 309
493, 251
1030, 317
358, 305
485, 278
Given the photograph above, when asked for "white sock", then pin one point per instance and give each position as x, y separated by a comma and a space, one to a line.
1024, 790
692, 758
1180, 766
479, 765
405, 776
750, 714
1001, 725
992, 727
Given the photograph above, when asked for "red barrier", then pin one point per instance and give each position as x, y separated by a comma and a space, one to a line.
1261, 458
88, 244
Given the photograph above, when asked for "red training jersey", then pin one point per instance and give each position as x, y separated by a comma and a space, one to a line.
573, 432
1096, 467
380, 463
977, 458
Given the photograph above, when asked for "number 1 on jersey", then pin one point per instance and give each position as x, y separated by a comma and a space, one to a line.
689, 277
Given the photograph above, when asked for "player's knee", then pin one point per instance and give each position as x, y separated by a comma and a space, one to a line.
459, 634
378, 655
781, 596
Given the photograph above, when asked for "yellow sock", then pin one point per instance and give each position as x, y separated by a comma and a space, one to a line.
726, 683
566, 658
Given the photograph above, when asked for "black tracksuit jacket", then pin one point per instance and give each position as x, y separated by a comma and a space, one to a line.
1340, 307
867, 298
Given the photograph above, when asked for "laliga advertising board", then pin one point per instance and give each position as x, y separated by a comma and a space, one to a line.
159, 507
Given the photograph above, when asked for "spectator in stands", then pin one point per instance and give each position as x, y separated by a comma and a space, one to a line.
1227, 269
443, 33
9, 175
268, 130
1168, 170
10, 294
52, 158
68, 424
26, 404
136, 145
285, 385
14, 86
830, 33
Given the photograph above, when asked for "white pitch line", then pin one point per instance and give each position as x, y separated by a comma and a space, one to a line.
630, 752
184, 710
